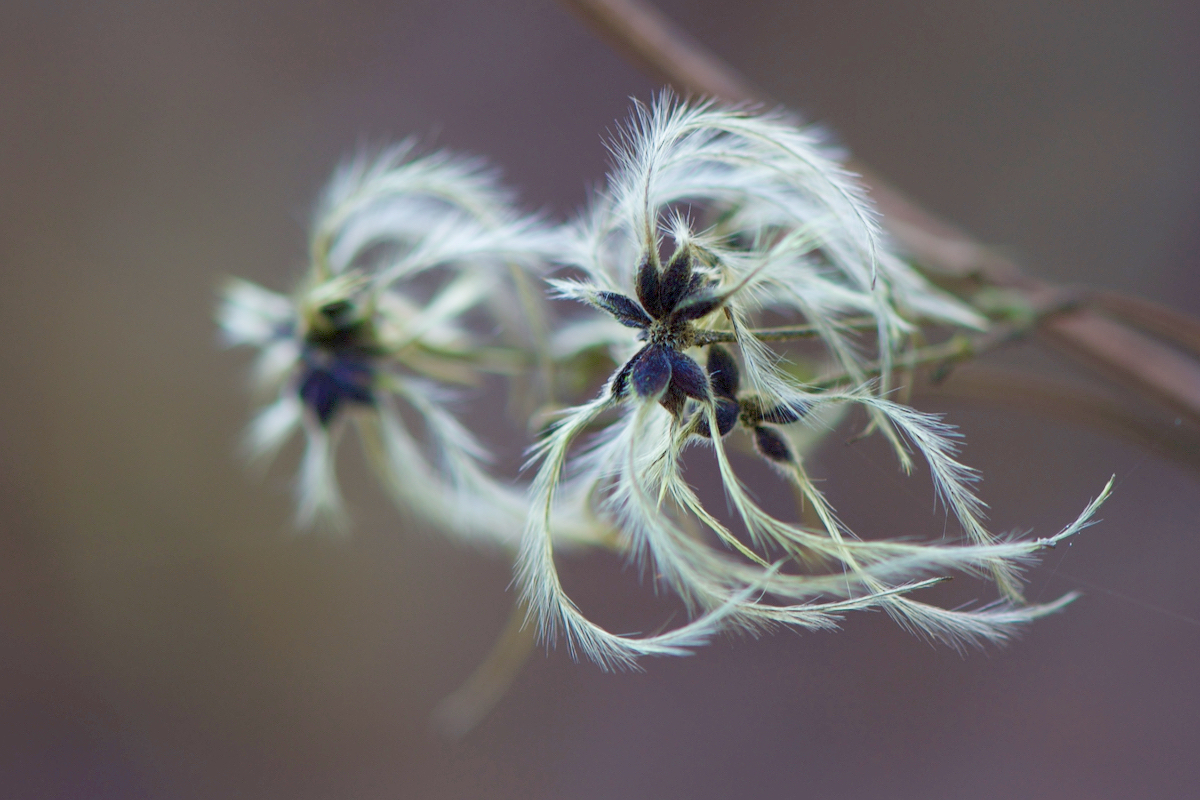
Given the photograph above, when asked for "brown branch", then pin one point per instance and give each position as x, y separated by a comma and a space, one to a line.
1073, 405
1129, 357
654, 43
1142, 363
1151, 317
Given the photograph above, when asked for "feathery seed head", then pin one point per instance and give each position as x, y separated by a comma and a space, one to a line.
403, 247
764, 223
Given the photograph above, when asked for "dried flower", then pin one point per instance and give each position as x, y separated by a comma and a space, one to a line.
760, 222
358, 341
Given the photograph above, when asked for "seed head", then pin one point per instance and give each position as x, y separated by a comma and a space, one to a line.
763, 223
402, 248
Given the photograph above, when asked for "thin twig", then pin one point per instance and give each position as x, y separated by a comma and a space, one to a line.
1137, 361
647, 37
1129, 357
1074, 405
783, 334
1151, 317
944, 356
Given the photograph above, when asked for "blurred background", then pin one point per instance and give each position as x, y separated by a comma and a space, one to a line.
165, 633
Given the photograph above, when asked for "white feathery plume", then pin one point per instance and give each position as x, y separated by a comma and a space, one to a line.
713, 220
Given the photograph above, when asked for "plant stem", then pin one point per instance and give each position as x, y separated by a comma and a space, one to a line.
945, 355
461, 711
1151, 368
783, 334
1072, 404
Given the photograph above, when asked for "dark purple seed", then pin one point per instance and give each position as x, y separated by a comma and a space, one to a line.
722, 372
620, 384
675, 281
771, 445
727, 414
687, 376
627, 312
696, 307
323, 389
673, 400
648, 288
727, 417
355, 391
331, 376
652, 372
350, 366
319, 392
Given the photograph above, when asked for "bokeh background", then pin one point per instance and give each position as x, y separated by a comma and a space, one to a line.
165, 634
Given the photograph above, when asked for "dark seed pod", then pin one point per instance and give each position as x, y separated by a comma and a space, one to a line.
722, 372
652, 372
687, 377
676, 281
696, 307
620, 384
673, 400
648, 288
771, 445
627, 312
328, 381
319, 392
727, 414
727, 417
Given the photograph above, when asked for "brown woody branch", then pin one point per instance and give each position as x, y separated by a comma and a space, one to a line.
1072, 404
1148, 366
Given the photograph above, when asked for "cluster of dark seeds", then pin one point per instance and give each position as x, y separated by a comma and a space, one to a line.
749, 411
668, 303
338, 359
